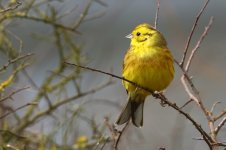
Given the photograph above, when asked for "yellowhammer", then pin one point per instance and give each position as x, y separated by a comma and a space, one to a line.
149, 64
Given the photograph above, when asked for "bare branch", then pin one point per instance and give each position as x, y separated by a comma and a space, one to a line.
191, 33
109, 74
47, 21
220, 115
18, 3
116, 134
198, 44
157, 14
13, 93
191, 100
60, 103
21, 107
221, 124
115, 146
83, 15
15, 60
214, 105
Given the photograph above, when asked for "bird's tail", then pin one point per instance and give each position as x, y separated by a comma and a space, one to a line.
133, 110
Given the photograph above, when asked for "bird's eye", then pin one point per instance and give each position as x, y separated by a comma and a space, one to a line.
138, 33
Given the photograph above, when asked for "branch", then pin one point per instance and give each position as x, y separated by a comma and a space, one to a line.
18, 3
50, 22
13, 93
116, 134
110, 74
83, 15
157, 14
198, 44
221, 124
160, 96
60, 103
191, 33
220, 115
15, 60
21, 107
214, 105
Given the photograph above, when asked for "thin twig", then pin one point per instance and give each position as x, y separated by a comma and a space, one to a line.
101, 2
191, 33
214, 105
221, 124
60, 103
115, 133
21, 107
11, 61
115, 146
46, 21
220, 115
198, 44
109, 74
82, 15
32, 82
13, 93
157, 14
191, 100
11, 133
18, 3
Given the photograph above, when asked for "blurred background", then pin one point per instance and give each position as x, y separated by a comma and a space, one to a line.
101, 44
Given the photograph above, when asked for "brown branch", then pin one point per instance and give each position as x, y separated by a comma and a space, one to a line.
13, 93
109, 74
213, 107
18, 3
116, 134
191, 33
195, 97
21, 107
188, 84
185, 104
157, 14
11, 61
221, 124
115, 146
198, 44
160, 96
220, 115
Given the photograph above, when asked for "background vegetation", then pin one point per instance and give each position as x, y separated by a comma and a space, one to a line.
48, 104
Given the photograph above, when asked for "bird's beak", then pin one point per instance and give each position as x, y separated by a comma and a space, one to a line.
129, 36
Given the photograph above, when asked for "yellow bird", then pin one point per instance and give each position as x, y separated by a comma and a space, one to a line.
148, 63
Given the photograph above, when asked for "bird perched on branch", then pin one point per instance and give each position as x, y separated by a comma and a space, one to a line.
149, 64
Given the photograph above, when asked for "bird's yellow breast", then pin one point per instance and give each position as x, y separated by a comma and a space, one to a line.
151, 68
